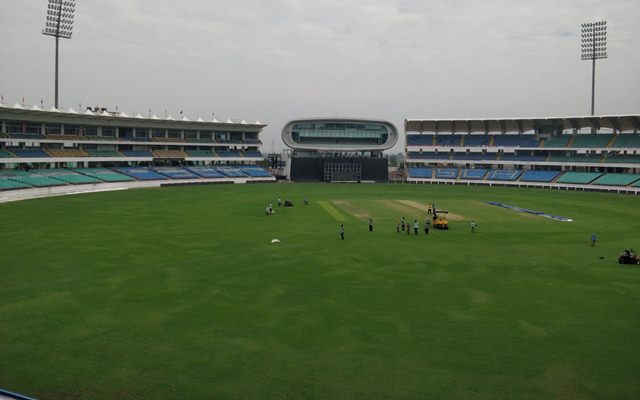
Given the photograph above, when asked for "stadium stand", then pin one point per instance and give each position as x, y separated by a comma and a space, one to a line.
228, 153
30, 153
626, 140
623, 158
419, 140
255, 172
504, 175
429, 156
515, 141
476, 140
169, 154
446, 173
6, 154
205, 172
591, 141
539, 176
168, 140
8, 184
141, 173
579, 158
104, 153
557, 141
253, 154
475, 174
66, 176
69, 153
475, 156
420, 172
175, 173
30, 179
33, 136
616, 179
448, 140
136, 153
104, 174
579, 177
199, 153
231, 172
65, 137
522, 157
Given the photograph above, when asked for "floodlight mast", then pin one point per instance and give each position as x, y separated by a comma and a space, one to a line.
594, 46
59, 24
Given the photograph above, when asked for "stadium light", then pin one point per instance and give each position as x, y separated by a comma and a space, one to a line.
59, 24
594, 47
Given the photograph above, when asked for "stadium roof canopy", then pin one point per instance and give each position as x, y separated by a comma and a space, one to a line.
615, 122
35, 114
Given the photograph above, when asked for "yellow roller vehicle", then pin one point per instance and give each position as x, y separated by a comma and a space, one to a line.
440, 220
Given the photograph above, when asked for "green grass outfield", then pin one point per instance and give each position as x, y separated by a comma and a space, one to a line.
178, 293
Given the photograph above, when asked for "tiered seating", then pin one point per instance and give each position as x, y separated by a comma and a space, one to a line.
557, 141
65, 137
136, 153
521, 157
626, 140
515, 141
30, 153
446, 173
255, 172
104, 153
67, 176
448, 140
429, 156
579, 158
504, 175
475, 156
476, 140
420, 172
205, 172
419, 140
30, 179
68, 153
104, 174
228, 153
231, 172
8, 184
34, 136
141, 173
539, 176
617, 179
591, 141
253, 154
168, 140
578, 177
169, 154
475, 174
199, 153
175, 172
6, 154
623, 158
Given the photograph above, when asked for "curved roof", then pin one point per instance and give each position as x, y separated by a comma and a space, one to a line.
287, 136
615, 122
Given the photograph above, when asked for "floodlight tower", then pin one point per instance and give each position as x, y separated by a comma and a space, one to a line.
59, 24
594, 46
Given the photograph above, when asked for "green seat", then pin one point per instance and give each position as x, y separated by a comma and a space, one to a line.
591, 141
8, 184
617, 179
578, 177
626, 140
557, 141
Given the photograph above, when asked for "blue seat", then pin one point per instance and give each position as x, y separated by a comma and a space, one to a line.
420, 172
205, 172
141, 173
446, 173
539, 176
419, 140
476, 174
175, 172
504, 175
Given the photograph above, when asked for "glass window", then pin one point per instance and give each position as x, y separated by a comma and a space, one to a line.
52, 129
109, 131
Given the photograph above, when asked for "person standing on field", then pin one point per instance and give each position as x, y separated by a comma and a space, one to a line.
398, 227
279, 201
341, 231
370, 224
416, 226
403, 224
427, 225
473, 226
593, 239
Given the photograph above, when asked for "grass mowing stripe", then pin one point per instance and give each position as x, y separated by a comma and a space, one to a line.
331, 210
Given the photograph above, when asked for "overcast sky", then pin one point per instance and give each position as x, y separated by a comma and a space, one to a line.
275, 60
